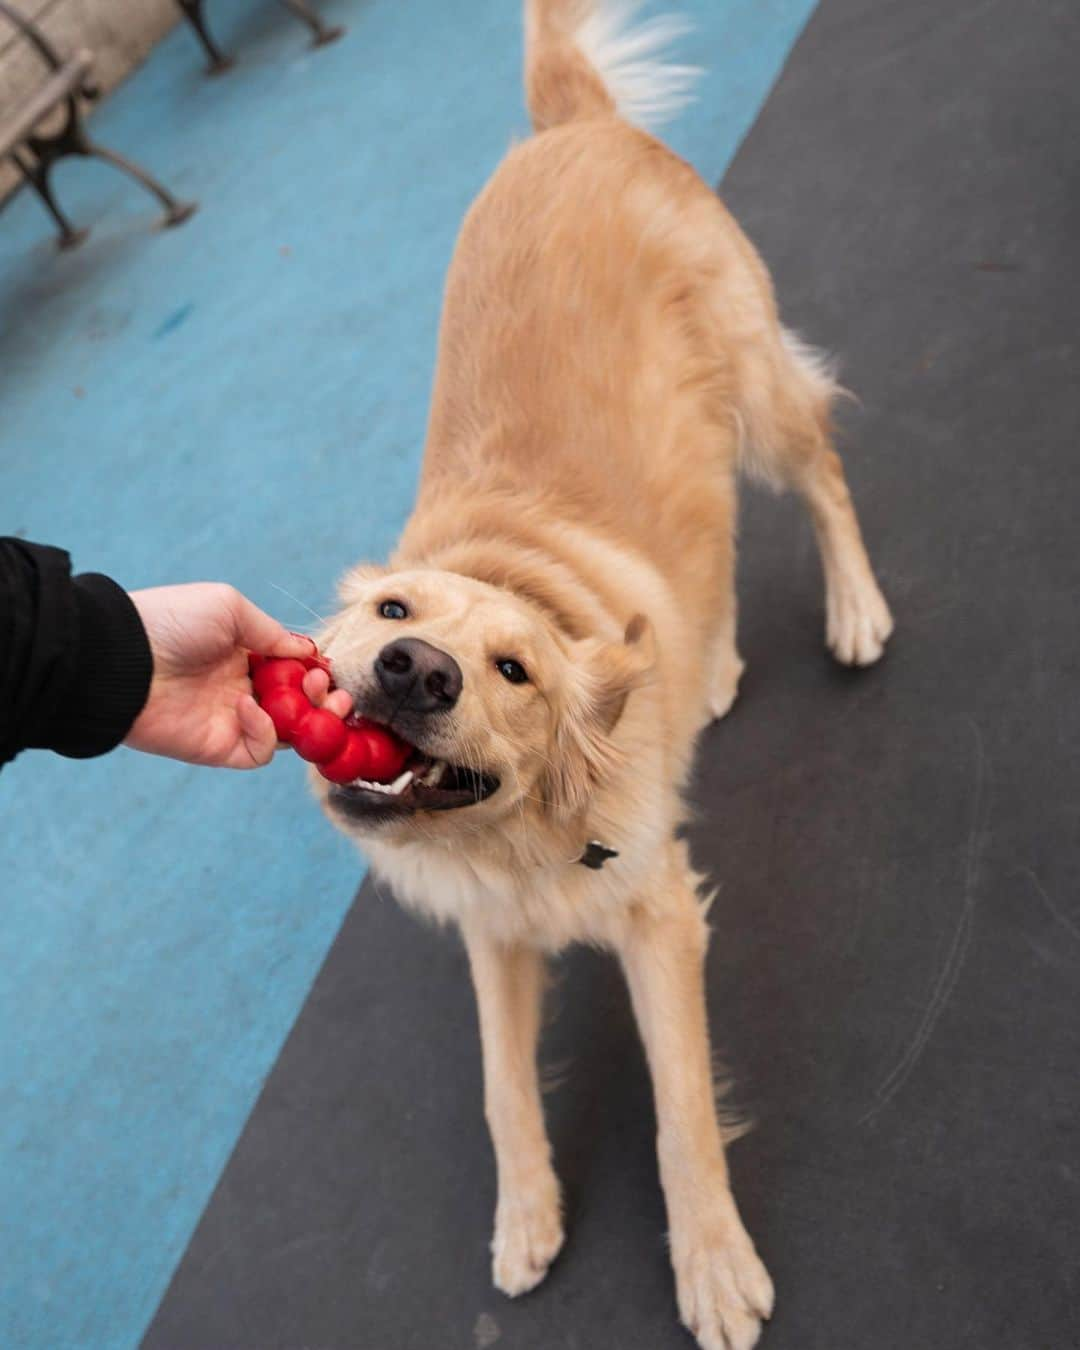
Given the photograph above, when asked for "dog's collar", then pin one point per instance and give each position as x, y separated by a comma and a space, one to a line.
596, 855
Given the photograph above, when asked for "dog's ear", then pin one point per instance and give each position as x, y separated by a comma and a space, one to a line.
602, 677
615, 669
352, 585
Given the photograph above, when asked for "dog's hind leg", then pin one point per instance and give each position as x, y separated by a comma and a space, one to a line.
528, 1221
786, 395
725, 664
723, 1289
857, 618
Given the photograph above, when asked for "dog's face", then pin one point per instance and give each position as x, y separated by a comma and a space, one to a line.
501, 708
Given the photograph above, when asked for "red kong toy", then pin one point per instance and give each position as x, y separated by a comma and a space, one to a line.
341, 750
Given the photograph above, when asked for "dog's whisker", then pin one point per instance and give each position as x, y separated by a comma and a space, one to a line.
297, 601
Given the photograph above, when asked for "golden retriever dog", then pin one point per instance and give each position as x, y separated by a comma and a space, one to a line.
557, 624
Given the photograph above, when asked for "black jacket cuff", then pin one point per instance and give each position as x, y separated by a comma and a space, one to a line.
112, 667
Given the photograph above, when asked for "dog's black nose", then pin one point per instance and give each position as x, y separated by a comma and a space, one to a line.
419, 677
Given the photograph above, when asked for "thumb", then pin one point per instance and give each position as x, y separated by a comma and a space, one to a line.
258, 632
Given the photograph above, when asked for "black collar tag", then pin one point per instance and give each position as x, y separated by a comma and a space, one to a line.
596, 855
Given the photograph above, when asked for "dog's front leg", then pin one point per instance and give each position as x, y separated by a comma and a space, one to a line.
723, 1289
528, 1220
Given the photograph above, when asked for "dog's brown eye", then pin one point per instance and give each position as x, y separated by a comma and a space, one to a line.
393, 609
513, 671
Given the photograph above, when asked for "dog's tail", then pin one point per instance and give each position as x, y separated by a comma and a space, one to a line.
584, 58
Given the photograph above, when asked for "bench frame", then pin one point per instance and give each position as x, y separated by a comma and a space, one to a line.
34, 152
218, 61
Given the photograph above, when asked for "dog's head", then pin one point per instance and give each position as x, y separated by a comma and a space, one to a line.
502, 709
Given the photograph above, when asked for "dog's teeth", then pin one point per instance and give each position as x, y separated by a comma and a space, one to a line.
394, 789
433, 777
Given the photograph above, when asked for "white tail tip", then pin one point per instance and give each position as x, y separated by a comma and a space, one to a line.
646, 89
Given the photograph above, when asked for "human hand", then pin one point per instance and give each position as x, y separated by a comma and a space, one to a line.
200, 707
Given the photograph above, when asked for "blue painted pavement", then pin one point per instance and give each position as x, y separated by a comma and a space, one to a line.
242, 398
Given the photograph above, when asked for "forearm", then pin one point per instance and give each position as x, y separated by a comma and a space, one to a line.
75, 661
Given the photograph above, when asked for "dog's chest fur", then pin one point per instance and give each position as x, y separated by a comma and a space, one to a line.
546, 901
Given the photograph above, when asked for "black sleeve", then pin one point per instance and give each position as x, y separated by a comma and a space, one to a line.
75, 662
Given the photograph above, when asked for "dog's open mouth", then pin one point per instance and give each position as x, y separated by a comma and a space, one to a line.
425, 784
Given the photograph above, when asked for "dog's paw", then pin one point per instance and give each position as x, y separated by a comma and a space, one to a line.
724, 1291
528, 1236
857, 622
723, 688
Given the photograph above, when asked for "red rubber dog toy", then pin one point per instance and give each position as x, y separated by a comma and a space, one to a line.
340, 750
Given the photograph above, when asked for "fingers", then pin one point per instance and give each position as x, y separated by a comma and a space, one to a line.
340, 702
317, 687
258, 737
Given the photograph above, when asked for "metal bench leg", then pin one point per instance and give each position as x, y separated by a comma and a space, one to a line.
37, 175
192, 10
175, 212
321, 33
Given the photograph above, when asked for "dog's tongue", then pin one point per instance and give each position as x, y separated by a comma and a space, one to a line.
371, 752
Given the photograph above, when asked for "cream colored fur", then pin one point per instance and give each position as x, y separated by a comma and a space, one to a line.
610, 354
